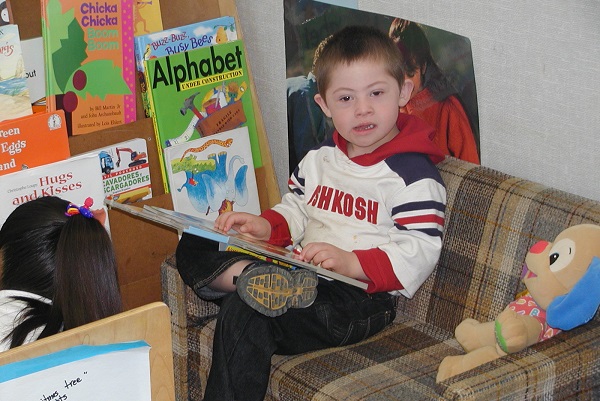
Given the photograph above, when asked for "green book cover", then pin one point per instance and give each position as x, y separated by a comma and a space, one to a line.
201, 92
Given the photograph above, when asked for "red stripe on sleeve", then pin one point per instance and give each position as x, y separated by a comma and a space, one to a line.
378, 268
427, 218
280, 231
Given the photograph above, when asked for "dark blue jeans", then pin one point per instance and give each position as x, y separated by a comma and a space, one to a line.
245, 340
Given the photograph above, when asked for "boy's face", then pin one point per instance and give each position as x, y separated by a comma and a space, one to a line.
363, 101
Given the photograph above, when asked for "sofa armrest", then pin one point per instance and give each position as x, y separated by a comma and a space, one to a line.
187, 312
186, 307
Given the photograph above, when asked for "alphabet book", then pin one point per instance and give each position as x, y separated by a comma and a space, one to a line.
177, 40
201, 92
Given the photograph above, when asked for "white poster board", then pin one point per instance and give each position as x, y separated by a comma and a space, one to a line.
82, 373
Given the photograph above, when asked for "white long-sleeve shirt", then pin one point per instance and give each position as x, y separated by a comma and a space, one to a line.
11, 313
387, 206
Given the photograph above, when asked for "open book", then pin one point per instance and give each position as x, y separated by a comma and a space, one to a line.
204, 228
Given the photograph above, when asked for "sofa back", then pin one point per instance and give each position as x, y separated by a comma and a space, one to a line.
492, 219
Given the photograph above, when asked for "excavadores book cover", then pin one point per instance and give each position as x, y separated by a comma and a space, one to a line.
126, 171
198, 93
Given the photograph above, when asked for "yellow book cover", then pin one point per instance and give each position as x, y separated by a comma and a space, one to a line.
147, 17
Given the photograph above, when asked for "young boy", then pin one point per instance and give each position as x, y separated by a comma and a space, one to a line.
368, 204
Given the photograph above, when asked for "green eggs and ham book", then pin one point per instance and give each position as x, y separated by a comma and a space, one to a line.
32, 141
90, 66
201, 92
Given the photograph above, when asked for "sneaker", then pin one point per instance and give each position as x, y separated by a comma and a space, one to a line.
272, 290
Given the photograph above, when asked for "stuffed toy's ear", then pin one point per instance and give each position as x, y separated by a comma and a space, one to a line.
577, 307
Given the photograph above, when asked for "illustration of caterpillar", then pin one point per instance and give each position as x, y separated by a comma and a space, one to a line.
226, 143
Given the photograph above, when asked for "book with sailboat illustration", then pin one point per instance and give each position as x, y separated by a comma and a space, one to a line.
14, 93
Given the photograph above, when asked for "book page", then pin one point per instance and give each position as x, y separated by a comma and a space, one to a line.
205, 229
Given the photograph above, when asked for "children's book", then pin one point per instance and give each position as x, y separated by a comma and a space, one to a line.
125, 171
74, 179
90, 62
32, 141
14, 94
201, 92
177, 40
212, 175
147, 17
35, 72
204, 228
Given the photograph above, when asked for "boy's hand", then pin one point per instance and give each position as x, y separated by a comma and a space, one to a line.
332, 258
244, 223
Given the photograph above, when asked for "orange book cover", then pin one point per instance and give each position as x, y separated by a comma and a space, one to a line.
90, 67
32, 141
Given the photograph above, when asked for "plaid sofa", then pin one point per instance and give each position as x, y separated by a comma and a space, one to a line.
492, 220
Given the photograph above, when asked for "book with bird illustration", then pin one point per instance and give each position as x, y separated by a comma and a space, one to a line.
212, 175
201, 92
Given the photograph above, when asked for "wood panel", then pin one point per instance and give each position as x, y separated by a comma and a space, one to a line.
151, 323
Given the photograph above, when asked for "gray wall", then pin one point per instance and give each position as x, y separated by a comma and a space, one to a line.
537, 68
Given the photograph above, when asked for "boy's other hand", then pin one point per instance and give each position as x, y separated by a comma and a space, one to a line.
332, 258
244, 223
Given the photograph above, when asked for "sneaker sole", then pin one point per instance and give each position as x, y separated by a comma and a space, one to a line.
272, 290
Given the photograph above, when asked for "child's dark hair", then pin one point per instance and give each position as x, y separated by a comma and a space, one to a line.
67, 259
412, 42
354, 43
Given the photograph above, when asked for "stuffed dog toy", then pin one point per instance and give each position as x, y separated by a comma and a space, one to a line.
563, 291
